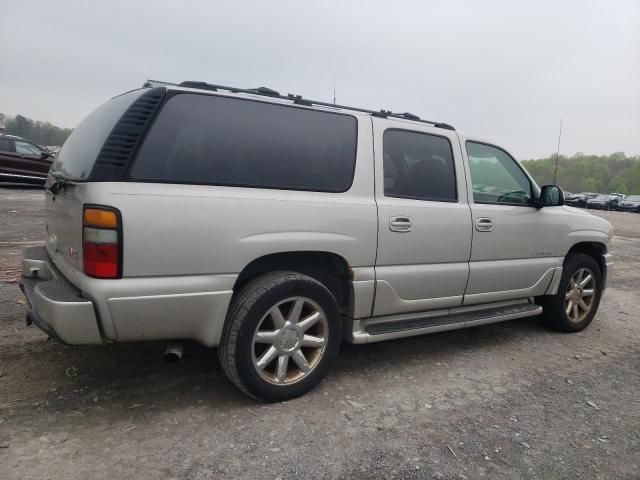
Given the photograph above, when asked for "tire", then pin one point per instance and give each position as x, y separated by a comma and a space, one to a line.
267, 305
556, 306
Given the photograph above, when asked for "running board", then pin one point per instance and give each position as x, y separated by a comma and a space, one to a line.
367, 331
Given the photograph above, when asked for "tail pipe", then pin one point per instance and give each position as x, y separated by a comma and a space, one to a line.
173, 353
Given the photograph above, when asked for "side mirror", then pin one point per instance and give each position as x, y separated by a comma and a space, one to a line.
550, 196
44, 155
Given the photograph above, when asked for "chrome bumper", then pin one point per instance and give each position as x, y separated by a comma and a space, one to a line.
57, 307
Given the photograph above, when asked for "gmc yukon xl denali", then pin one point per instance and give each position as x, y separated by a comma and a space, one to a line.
274, 227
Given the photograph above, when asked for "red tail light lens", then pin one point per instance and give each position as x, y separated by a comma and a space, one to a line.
100, 260
102, 242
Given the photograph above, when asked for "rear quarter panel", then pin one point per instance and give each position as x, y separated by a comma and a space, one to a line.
171, 229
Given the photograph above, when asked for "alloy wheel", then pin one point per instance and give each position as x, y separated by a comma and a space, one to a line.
289, 341
580, 295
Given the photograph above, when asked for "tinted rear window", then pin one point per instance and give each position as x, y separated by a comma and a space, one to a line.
78, 154
223, 141
418, 166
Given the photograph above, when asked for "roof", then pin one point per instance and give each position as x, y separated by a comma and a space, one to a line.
292, 98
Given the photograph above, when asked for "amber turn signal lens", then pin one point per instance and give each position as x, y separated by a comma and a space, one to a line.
100, 218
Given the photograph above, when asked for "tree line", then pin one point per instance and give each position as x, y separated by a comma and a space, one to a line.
589, 173
42, 133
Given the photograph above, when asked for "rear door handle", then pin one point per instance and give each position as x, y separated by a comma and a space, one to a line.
484, 224
400, 224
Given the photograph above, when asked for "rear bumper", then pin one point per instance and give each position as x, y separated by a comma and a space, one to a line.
80, 310
57, 307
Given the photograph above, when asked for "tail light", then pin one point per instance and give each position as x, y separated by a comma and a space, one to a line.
102, 242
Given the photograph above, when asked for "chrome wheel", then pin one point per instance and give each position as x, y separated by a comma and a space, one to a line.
289, 341
580, 295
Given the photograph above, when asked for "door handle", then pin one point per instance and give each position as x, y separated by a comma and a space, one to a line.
400, 224
484, 224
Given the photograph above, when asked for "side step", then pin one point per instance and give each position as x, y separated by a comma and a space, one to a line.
376, 331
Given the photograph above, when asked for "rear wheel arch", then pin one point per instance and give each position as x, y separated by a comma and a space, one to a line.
330, 269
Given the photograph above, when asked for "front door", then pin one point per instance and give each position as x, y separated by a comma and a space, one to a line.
424, 221
515, 244
31, 159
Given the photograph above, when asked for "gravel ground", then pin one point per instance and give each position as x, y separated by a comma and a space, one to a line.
510, 400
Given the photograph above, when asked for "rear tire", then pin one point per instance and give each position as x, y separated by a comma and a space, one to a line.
572, 309
282, 334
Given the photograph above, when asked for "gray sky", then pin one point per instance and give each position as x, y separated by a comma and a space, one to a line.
501, 69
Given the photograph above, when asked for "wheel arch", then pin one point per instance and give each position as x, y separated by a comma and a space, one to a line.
595, 250
330, 269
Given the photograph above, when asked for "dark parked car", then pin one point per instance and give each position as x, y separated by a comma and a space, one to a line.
604, 202
22, 161
630, 204
579, 199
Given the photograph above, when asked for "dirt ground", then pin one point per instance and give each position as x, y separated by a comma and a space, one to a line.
503, 401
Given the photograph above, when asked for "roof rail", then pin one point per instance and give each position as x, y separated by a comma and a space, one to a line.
298, 99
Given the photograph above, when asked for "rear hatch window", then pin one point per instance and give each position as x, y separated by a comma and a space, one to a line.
78, 154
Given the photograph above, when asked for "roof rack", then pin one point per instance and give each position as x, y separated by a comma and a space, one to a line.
297, 99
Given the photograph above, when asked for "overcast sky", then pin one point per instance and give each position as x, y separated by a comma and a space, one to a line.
500, 69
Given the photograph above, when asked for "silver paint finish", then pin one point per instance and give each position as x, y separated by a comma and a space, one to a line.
185, 245
426, 266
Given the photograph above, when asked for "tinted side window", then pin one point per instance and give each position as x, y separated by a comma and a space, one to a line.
418, 165
224, 141
496, 177
6, 145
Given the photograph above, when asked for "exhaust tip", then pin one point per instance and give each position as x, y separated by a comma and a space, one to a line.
173, 353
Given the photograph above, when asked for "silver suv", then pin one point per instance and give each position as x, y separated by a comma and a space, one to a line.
273, 227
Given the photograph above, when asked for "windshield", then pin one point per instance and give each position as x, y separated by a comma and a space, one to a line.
603, 197
78, 154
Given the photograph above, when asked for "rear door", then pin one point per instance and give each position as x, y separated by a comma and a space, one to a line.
424, 229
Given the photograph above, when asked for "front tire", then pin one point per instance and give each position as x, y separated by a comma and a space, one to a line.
282, 334
572, 309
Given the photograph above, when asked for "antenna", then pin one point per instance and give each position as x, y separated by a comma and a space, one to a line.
334, 91
555, 174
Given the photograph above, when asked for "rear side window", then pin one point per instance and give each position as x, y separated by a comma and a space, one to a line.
6, 145
79, 152
418, 166
223, 141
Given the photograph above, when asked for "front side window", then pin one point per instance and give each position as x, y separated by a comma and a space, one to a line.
496, 177
236, 142
25, 148
418, 166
